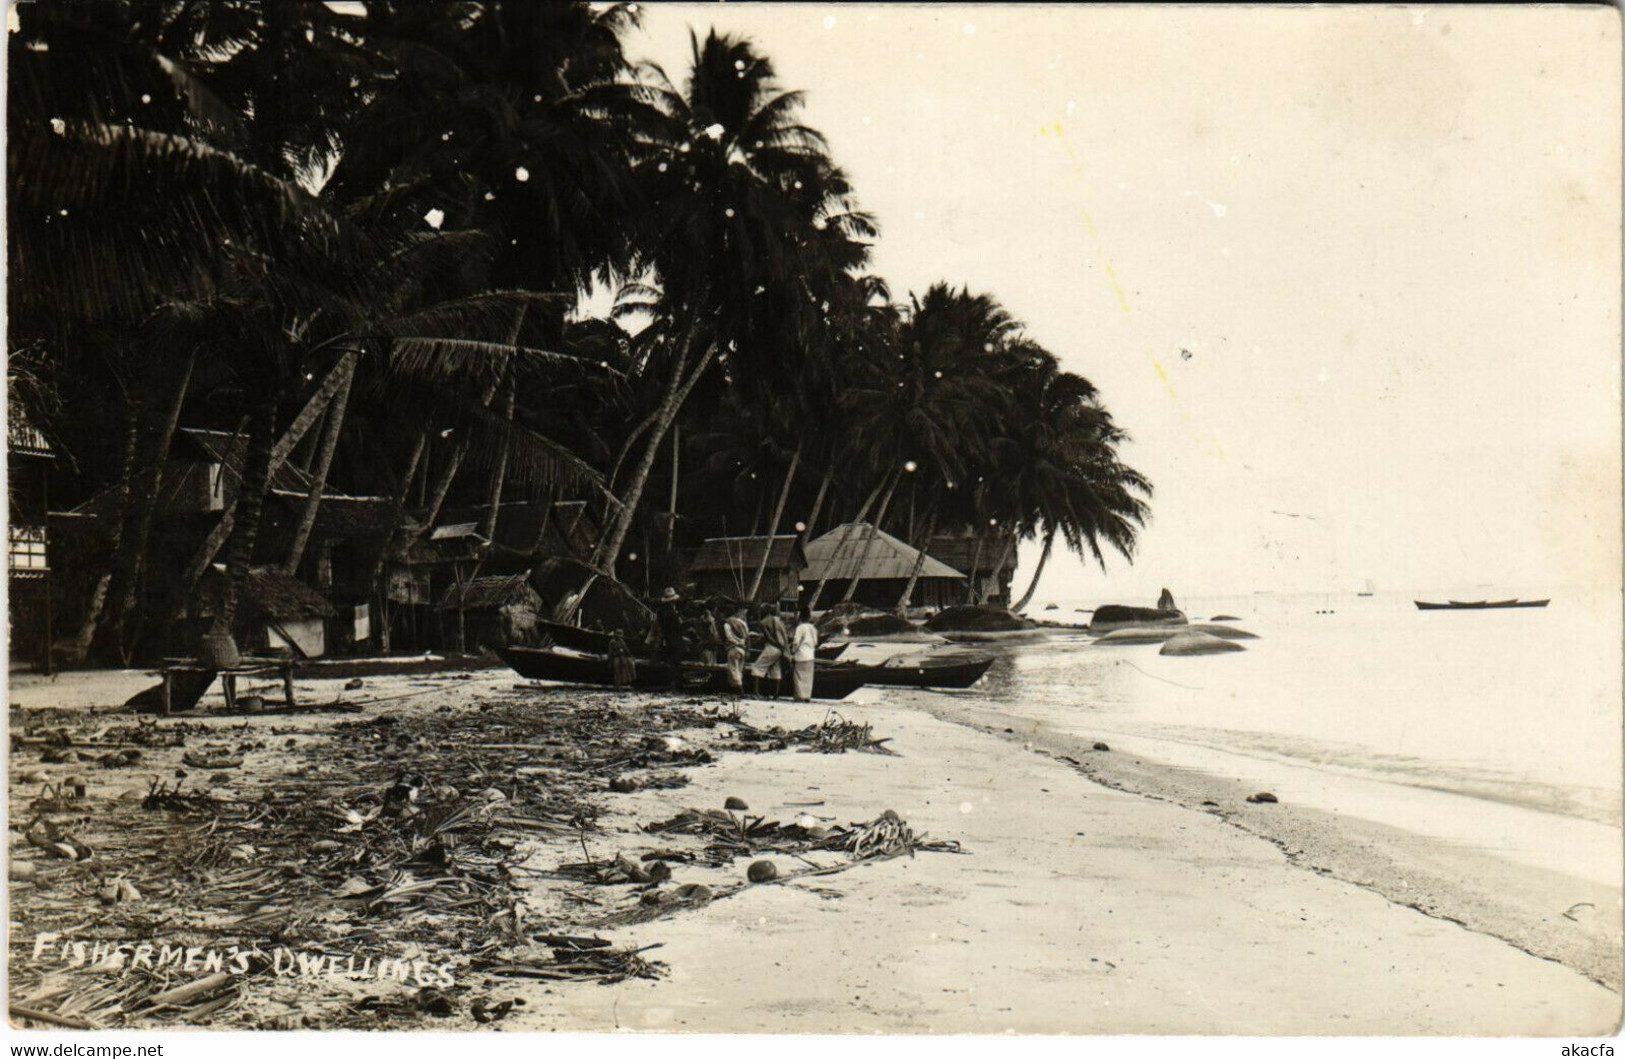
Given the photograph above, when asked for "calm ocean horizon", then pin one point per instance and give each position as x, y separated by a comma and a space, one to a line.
1499, 730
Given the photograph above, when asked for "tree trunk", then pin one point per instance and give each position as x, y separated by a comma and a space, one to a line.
392, 542
677, 391
279, 454
256, 483
773, 526
676, 450
123, 536
1006, 546
841, 546
975, 568
869, 539
919, 561
499, 473
818, 505
133, 570
459, 452
1043, 557
324, 462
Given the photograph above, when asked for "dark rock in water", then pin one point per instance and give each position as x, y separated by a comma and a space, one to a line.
1117, 616
1052, 606
762, 871
1102, 746
736, 804
879, 625
354, 683
623, 784
1198, 643
1224, 617
1263, 798
1213, 805
1166, 601
978, 618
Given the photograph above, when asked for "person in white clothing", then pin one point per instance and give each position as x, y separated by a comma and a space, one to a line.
803, 653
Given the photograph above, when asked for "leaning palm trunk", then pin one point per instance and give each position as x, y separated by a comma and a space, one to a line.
818, 504
250, 504
1007, 543
677, 391
499, 473
1043, 557
773, 526
132, 569
869, 539
324, 462
975, 568
279, 455
919, 562
862, 512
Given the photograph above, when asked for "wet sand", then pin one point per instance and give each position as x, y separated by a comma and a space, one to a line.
1079, 909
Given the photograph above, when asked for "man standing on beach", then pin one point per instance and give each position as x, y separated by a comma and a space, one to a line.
777, 647
804, 655
737, 633
670, 620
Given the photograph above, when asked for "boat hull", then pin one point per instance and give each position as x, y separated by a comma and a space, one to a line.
925, 675
1504, 604
540, 663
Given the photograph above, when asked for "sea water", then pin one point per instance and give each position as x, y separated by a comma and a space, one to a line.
1499, 730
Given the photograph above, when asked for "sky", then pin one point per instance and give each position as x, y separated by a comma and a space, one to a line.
1349, 277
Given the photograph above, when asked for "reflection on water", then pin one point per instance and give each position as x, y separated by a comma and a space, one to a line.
1519, 706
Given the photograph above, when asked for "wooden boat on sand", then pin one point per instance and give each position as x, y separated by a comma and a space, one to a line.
596, 641
541, 663
959, 673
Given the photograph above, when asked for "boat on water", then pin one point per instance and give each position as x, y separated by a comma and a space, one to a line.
1369, 590
544, 663
1502, 604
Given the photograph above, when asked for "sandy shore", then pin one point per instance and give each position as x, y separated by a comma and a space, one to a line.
1080, 909
1076, 906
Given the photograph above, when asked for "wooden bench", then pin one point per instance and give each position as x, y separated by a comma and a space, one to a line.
250, 668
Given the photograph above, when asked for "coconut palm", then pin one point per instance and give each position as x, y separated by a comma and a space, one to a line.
749, 221
1059, 472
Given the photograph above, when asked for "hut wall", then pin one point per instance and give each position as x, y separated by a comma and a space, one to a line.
309, 636
777, 584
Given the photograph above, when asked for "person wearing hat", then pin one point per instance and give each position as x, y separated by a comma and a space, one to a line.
670, 620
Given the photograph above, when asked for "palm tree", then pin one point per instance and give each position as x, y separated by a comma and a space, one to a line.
740, 196
513, 119
1059, 471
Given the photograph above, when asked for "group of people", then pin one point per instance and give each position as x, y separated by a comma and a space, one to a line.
783, 648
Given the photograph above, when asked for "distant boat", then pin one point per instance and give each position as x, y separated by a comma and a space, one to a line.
1370, 588
1502, 604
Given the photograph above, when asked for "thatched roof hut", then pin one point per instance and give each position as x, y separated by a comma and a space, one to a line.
884, 568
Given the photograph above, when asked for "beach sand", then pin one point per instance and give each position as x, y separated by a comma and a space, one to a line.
1076, 907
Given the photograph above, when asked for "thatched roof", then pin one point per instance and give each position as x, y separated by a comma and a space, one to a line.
564, 527
744, 554
489, 593
271, 595
835, 555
